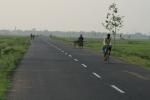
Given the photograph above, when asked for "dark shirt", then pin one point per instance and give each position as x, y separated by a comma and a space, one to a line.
81, 38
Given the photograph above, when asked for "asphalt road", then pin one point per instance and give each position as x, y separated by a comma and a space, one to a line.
52, 70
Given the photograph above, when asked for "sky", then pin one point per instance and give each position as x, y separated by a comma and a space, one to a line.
72, 15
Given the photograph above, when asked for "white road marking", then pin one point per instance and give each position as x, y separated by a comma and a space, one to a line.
98, 76
57, 48
62, 51
54, 46
70, 55
84, 65
66, 53
116, 88
76, 60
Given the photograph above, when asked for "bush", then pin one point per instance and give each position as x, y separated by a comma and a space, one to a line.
12, 50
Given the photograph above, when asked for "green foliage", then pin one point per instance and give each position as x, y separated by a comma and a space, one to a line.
113, 22
11, 51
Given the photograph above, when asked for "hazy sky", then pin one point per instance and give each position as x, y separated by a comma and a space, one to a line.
72, 15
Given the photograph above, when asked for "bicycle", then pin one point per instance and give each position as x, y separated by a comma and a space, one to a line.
107, 53
78, 43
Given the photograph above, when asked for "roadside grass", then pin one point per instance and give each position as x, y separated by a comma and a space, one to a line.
132, 51
12, 49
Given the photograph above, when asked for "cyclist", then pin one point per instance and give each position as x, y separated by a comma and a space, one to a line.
31, 36
81, 39
107, 46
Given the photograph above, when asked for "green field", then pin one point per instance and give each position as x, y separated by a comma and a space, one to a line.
132, 51
12, 49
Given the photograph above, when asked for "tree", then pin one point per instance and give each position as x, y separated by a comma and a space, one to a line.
113, 22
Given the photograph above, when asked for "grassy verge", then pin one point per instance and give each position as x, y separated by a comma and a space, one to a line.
132, 51
12, 48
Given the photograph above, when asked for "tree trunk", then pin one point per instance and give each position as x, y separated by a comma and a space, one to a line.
114, 41
114, 38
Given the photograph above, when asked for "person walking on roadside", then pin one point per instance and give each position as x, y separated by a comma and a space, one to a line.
31, 36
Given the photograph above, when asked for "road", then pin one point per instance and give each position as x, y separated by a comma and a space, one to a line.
52, 70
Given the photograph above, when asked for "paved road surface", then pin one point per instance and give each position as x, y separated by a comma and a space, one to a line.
52, 70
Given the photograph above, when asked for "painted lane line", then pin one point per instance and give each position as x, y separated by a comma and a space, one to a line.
62, 51
116, 88
54, 46
70, 55
57, 48
95, 74
76, 60
84, 65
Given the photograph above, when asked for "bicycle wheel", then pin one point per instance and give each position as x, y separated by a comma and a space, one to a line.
106, 56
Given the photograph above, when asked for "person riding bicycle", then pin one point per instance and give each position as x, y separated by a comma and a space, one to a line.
81, 39
107, 45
